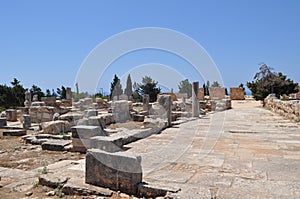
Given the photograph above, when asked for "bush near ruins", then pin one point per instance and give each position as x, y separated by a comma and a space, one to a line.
266, 81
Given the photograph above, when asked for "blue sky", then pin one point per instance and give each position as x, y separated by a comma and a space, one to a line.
45, 42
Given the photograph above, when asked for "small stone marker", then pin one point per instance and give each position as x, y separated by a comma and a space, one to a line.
195, 101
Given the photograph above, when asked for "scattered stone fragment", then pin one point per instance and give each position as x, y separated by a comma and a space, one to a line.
56, 145
28, 193
14, 132
50, 193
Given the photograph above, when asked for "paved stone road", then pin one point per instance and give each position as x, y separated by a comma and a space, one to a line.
245, 152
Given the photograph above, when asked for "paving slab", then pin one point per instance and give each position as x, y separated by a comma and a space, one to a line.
255, 154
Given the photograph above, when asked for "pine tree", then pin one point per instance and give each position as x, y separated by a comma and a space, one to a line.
116, 88
128, 89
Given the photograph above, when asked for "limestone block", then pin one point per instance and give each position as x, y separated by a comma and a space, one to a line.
121, 110
26, 121
165, 102
201, 94
56, 127
34, 104
216, 93
91, 112
237, 94
85, 132
11, 115
3, 122
118, 171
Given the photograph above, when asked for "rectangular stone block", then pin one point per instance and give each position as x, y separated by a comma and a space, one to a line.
11, 115
106, 143
119, 171
216, 93
14, 132
201, 94
3, 122
56, 145
237, 94
87, 131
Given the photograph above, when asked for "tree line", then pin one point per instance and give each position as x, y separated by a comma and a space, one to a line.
14, 95
136, 90
265, 82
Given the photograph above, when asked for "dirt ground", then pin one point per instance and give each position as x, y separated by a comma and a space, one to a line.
16, 154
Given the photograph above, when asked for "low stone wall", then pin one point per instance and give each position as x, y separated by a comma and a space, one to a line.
289, 109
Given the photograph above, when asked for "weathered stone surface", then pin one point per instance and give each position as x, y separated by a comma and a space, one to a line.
26, 121
165, 102
14, 132
216, 93
51, 181
102, 103
151, 191
36, 103
11, 115
71, 117
27, 101
138, 118
91, 112
77, 187
96, 121
146, 100
49, 101
56, 127
121, 110
119, 171
195, 101
3, 122
155, 123
55, 116
68, 93
109, 144
288, 109
237, 93
201, 94
80, 145
45, 113
84, 104
87, 131
56, 145
220, 105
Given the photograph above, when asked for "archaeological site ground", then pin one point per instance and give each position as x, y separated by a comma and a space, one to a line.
212, 146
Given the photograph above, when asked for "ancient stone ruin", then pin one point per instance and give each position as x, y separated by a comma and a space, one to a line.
237, 94
103, 129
